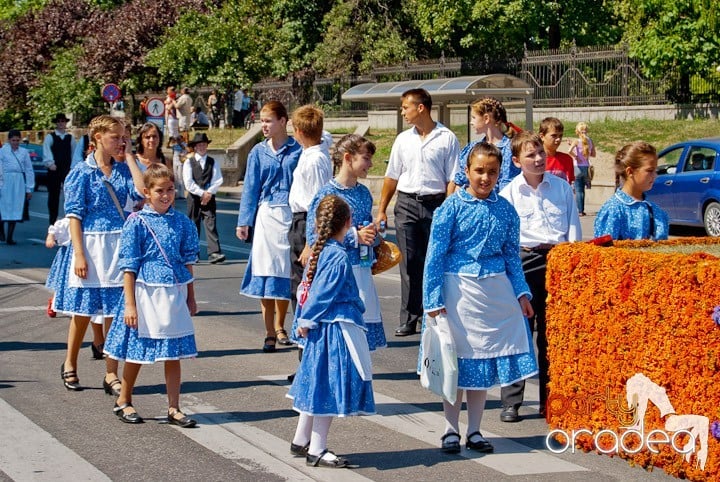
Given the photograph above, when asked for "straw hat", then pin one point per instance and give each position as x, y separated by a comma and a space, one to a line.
388, 255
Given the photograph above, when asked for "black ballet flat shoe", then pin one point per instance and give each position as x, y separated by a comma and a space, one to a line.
112, 388
450, 443
481, 445
184, 421
299, 450
269, 344
319, 461
67, 378
282, 337
97, 351
132, 417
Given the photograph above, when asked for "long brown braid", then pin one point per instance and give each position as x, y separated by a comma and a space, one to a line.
492, 106
331, 217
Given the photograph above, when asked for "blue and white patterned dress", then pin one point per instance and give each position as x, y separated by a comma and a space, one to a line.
624, 217
160, 288
328, 382
508, 170
360, 201
57, 275
473, 270
264, 206
88, 199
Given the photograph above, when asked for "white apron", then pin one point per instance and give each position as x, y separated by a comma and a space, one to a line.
368, 294
12, 196
162, 311
102, 255
271, 247
485, 318
356, 341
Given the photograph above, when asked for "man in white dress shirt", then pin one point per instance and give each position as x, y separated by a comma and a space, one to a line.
422, 164
58, 148
203, 178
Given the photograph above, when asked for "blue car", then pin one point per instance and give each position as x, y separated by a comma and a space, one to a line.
688, 184
36, 157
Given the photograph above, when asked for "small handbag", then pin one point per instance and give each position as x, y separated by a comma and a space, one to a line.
387, 255
439, 370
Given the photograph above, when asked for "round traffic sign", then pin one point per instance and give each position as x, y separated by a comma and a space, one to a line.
111, 92
155, 107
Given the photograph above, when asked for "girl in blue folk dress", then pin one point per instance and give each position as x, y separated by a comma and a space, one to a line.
157, 250
353, 158
96, 192
627, 215
474, 276
334, 376
265, 208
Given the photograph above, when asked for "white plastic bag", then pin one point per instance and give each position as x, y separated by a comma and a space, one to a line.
439, 370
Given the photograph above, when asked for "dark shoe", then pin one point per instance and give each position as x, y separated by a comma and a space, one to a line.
50, 312
480, 445
184, 421
112, 388
2, 236
269, 344
70, 379
509, 414
318, 461
282, 338
215, 258
11, 242
131, 417
450, 443
299, 450
406, 329
97, 351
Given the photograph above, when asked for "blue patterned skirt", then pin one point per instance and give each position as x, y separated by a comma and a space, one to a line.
123, 343
271, 287
57, 276
327, 383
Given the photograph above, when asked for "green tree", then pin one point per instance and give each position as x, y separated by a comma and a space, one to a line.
62, 89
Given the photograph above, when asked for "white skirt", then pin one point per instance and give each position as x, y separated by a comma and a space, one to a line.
12, 196
368, 294
163, 311
102, 252
485, 318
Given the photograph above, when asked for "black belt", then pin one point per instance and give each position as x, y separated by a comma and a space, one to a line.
424, 197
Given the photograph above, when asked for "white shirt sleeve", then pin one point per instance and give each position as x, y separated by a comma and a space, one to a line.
190, 183
216, 180
48, 158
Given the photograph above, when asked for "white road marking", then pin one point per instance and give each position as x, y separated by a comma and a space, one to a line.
30, 453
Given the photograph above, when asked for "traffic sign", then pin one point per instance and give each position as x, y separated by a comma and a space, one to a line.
158, 121
111, 92
155, 107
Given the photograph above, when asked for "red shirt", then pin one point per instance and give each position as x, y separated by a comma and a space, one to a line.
561, 165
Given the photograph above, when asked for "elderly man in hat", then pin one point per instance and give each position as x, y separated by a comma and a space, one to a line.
202, 178
58, 148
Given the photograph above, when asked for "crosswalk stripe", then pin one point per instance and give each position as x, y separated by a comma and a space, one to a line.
510, 457
30, 453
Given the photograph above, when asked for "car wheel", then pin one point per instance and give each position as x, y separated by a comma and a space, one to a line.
711, 219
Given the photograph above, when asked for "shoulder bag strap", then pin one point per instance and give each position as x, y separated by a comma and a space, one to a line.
114, 197
157, 241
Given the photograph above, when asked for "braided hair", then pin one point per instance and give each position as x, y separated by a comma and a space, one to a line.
493, 107
331, 216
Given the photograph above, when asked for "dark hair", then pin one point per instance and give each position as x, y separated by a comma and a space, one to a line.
14, 133
420, 96
277, 108
523, 138
549, 122
156, 172
145, 128
353, 144
484, 149
632, 155
331, 216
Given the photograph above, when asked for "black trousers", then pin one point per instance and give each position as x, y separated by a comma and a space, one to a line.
413, 218
297, 240
206, 214
534, 267
55, 180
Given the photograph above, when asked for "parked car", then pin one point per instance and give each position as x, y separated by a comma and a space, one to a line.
36, 156
688, 184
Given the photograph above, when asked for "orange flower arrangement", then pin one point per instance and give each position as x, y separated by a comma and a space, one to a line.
614, 312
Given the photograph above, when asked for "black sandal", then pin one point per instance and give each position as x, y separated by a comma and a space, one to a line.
110, 387
268, 347
319, 461
132, 417
282, 337
450, 446
97, 351
70, 379
481, 445
184, 421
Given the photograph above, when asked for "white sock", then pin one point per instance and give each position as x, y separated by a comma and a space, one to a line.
475, 409
304, 430
452, 413
320, 429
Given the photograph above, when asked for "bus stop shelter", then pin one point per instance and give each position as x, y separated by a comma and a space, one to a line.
444, 92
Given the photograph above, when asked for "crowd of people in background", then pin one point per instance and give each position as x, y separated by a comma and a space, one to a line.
474, 225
